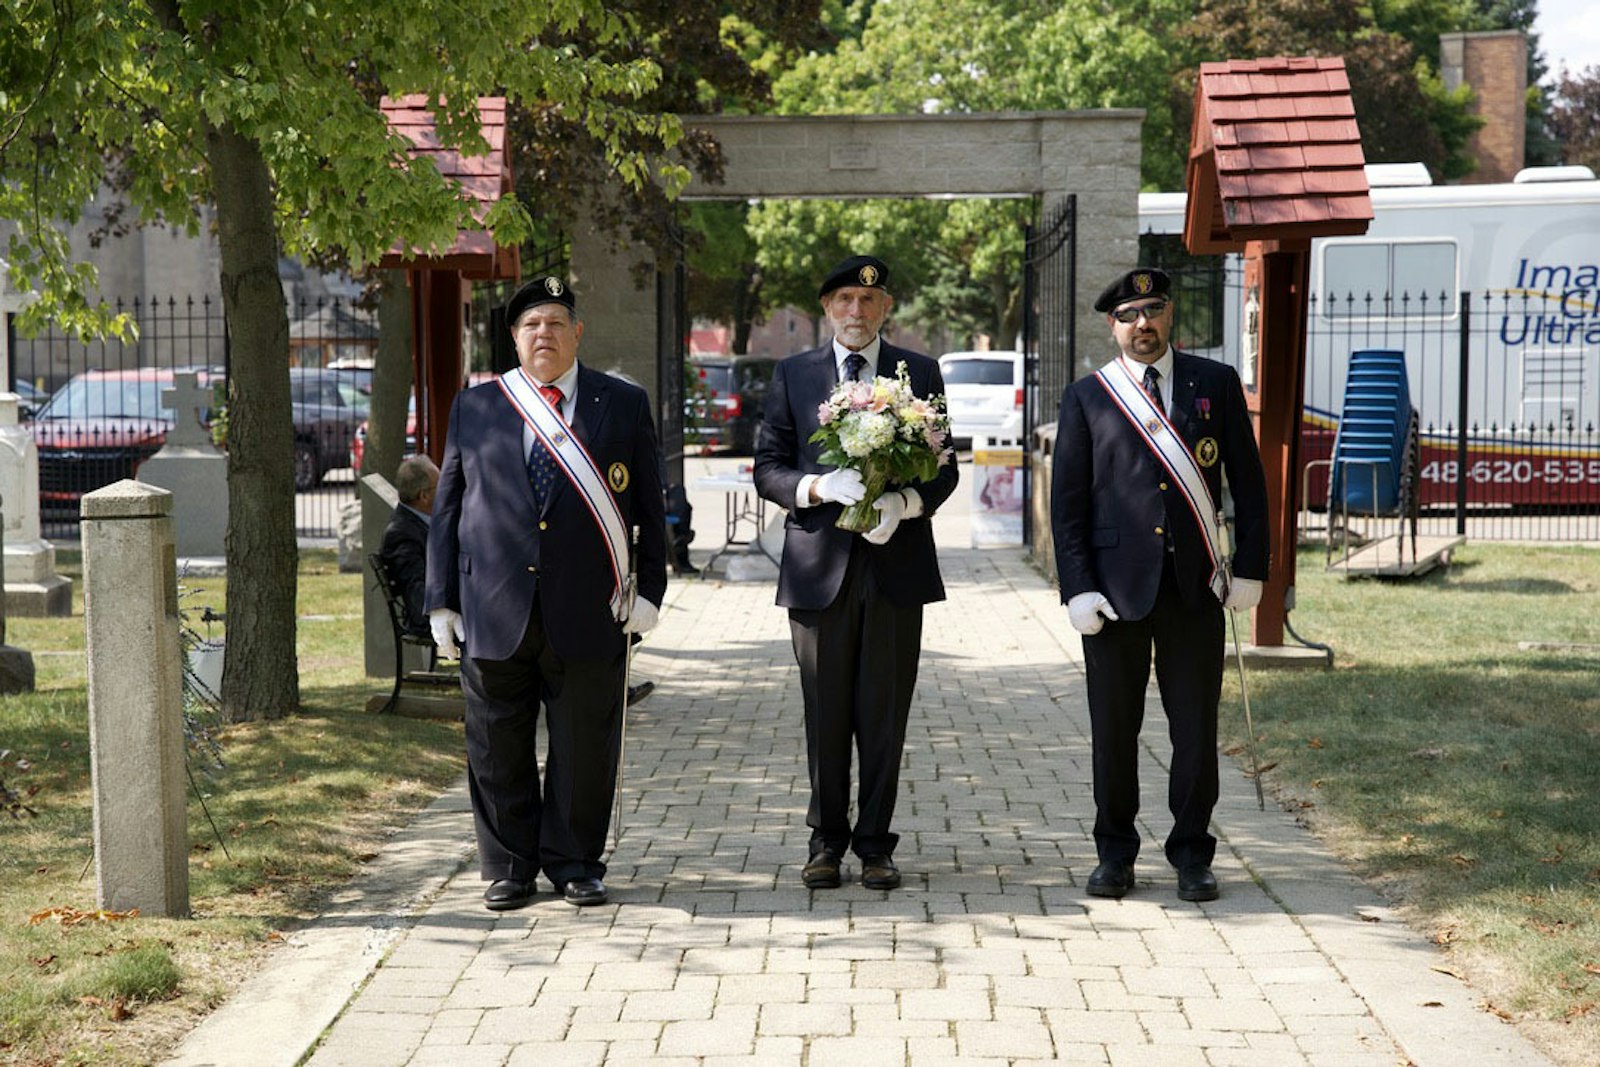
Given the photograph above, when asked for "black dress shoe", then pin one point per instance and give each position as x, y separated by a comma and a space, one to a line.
821, 870
879, 872
585, 892
1112, 878
1196, 882
638, 692
508, 894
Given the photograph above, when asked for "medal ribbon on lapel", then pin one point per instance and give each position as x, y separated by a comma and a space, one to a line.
1162, 438
575, 462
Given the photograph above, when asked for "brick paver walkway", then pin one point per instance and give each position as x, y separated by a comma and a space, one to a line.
712, 953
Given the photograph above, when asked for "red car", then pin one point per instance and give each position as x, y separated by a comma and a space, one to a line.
98, 428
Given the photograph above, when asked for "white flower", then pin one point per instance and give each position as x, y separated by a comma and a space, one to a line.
864, 432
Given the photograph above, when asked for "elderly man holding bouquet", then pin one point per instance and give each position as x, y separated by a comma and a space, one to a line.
854, 448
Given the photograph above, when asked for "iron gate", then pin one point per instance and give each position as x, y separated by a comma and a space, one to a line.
1049, 327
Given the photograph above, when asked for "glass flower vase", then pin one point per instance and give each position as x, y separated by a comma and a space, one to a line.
862, 516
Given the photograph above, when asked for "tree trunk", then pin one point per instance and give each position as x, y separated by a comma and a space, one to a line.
260, 678
393, 378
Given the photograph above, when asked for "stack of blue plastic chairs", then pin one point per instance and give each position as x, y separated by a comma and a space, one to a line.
1374, 430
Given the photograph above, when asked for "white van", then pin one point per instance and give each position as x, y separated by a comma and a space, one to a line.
984, 394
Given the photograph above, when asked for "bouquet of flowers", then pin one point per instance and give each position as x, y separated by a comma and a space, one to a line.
886, 432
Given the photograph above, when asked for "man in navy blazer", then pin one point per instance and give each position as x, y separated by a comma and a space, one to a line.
1139, 570
855, 600
405, 539
519, 569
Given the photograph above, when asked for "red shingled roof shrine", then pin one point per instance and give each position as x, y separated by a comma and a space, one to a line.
1274, 154
485, 178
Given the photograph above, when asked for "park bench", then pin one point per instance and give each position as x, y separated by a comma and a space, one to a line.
428, 676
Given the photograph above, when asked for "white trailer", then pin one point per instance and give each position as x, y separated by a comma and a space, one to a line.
1500, 279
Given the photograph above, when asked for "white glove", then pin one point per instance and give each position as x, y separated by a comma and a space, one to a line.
447, 630
842, 486
892, 508
1085, 611
643, 618
1243, 594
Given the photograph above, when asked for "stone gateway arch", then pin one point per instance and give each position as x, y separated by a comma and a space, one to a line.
1047, 155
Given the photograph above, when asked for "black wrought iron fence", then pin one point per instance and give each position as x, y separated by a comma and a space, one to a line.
1506, 386
97, 409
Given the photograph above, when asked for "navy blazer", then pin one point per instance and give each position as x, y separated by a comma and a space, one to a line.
490, 552
404, 553
1111, 507
815, 551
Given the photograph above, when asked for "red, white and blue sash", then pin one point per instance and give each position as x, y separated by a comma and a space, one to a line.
1163, 439
574, 460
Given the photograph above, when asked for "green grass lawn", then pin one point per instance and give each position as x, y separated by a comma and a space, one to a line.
297, 804
1456, 767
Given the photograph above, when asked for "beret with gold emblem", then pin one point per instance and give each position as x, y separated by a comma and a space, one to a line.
1134, 285
868, 272
547, 289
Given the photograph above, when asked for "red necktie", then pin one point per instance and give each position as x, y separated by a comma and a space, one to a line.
553, 394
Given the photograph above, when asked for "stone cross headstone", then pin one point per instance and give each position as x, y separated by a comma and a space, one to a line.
16, 666
189, 402
32, 586
193, 469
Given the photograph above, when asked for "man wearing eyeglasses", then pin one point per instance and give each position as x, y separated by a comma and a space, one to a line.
1142, 448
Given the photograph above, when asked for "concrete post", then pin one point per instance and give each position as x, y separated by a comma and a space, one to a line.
141, 839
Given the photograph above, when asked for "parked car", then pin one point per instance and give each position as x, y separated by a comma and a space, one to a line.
724, 400
30, 399
984, 394
98, 428
328, 406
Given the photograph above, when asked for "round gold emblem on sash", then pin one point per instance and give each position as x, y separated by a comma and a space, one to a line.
1206, 451
618, 477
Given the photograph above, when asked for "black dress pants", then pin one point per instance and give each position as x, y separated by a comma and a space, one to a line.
858, 669
1188, 643
560, 830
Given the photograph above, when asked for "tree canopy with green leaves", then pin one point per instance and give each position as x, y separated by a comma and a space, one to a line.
270, 113
959, 263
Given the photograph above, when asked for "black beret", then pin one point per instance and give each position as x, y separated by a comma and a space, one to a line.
1134, 285
547, 289
867, 271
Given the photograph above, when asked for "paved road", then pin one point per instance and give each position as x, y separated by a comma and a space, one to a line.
711, 952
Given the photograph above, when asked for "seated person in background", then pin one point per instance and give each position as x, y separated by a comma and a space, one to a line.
405, 539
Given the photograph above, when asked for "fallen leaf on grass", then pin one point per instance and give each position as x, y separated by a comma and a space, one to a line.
1433, 1003
41, 961
1581, 1009
1445, 936
1466, 863
74, 917
1493, 1010
1555, 857
274, 936
1315, 742
1592, 968
119, 1010
1451, 971
1233, 750
1263, 769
